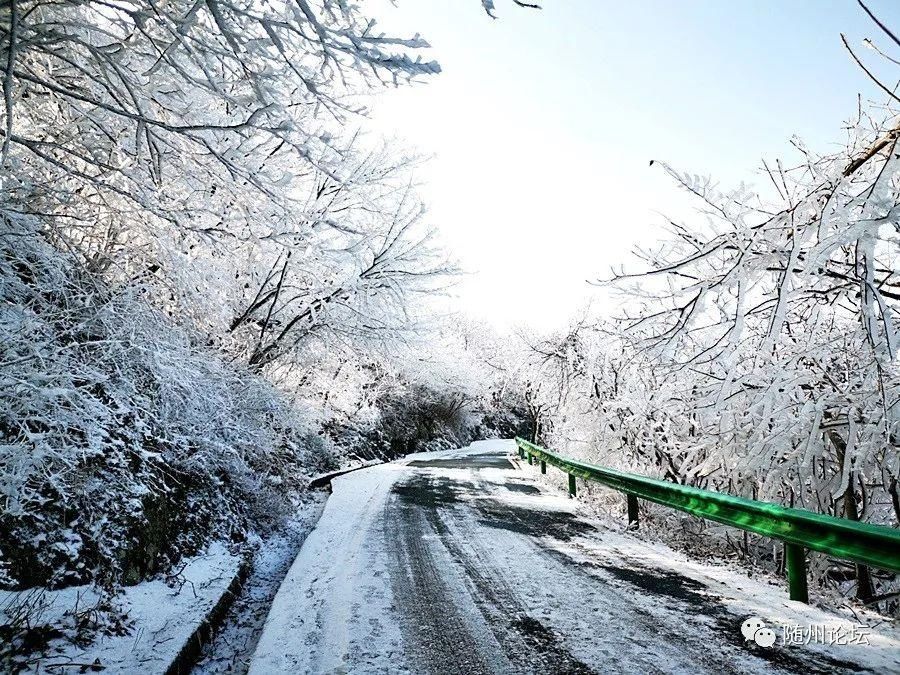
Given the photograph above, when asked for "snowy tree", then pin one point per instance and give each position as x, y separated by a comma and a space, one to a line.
781, 317
183, 196
143, 134
351, 266
490, 8
757, 354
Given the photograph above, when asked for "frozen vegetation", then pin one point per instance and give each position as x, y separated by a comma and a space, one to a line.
214, 287
211, 287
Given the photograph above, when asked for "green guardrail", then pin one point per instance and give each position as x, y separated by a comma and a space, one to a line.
862, 543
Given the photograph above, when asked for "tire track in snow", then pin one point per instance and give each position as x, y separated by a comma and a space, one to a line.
425, 516
430, 616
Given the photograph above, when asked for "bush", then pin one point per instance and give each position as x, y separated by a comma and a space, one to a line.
123, 444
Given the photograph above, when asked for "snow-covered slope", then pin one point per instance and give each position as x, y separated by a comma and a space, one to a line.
161, 618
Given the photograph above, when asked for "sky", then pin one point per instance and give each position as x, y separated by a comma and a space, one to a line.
542, 125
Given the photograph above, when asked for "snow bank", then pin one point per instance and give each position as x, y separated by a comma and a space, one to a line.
162, 618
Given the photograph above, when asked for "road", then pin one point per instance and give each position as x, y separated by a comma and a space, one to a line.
464, 562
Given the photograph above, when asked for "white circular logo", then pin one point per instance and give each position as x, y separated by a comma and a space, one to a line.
764, 637
750, 626
755, 629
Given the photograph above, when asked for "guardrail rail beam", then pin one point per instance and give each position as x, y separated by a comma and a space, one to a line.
799, 529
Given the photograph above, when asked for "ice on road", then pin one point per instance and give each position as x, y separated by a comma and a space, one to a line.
461, 562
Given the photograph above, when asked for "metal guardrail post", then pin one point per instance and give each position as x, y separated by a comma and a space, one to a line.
573, 491
530, 460
521, 453
632, 511
795, 562
543, 466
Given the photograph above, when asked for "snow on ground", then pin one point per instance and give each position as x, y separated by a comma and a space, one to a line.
234, 643
162, 617
458, 562
335, 599
334, 581
665, 573
748, 597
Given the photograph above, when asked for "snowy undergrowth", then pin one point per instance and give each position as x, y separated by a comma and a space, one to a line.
127, 443
67, 633
123, 444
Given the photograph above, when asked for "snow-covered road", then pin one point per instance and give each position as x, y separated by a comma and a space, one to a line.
461, 562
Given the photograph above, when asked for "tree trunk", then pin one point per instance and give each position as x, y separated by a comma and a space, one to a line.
864, 589
895, 498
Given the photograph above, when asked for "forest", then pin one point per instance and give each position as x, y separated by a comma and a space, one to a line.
215, 285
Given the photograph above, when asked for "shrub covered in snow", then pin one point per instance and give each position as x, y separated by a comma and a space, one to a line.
126, 443
123, 443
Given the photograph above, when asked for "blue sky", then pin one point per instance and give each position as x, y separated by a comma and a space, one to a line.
543, 124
